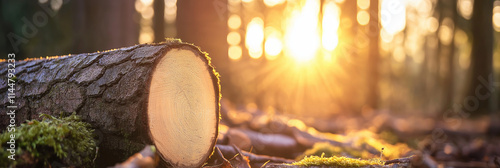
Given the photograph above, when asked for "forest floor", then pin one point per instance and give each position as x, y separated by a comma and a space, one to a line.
272, 139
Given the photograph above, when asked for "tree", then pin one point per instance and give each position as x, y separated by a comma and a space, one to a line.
448, 11
481, 58
374, 56
158, 20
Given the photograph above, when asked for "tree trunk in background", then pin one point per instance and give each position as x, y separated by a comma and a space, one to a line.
481, 58
163, 94
159, 20
103, 24
449, 10
204, 19
204, 23
374, 55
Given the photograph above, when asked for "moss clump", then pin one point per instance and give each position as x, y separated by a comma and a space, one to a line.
65, 140
328, 150
336, 161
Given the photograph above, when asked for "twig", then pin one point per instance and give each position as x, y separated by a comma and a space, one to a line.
400, 160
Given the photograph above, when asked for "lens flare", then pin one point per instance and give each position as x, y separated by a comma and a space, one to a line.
302, 34
273, 47
255, 37
330, 25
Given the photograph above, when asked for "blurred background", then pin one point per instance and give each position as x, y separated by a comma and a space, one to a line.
411, 76
314, 58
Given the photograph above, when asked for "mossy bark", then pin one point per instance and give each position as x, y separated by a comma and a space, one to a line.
107, 89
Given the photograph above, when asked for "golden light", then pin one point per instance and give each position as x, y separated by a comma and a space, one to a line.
247, 1
147, 2
170, 3
273, 47
233, 6
465, 8
445, 33
148, 13
363, 4
254, 37
496, 16
424, 7
393, 16
331, 17
139, 6
460, 37
399, 54
297, 124
233, 38
385, 36
462, 43
255, 54
302, 35
146, 36
170, 11
145, 9
272, 3
234, 52
363, 17
432, 24
234, 22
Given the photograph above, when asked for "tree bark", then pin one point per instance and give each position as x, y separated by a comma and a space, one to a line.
129, 95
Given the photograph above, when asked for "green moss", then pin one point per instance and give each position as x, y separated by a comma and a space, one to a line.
66, 140
328, 150
336, 161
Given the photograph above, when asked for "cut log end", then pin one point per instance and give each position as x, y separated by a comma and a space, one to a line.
183, 108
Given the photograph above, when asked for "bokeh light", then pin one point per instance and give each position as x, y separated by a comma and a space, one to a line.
331, 19
363, 17
145, 9
496, 16
234, 52
273, 47
272, 3
170, 11
393, 16
445, 33
233, 38
234, 22
255, 37
363, 4
465, 8
432, 24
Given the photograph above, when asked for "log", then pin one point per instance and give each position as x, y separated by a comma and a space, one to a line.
164, 94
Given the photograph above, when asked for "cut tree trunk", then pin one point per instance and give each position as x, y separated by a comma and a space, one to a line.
165, 94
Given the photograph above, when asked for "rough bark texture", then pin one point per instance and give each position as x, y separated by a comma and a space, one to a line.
107, 89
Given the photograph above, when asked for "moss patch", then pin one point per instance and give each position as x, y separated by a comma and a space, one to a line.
65, 140
336, 161
328, 150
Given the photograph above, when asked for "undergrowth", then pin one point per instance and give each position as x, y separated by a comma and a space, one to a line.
336, 161
66, 140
